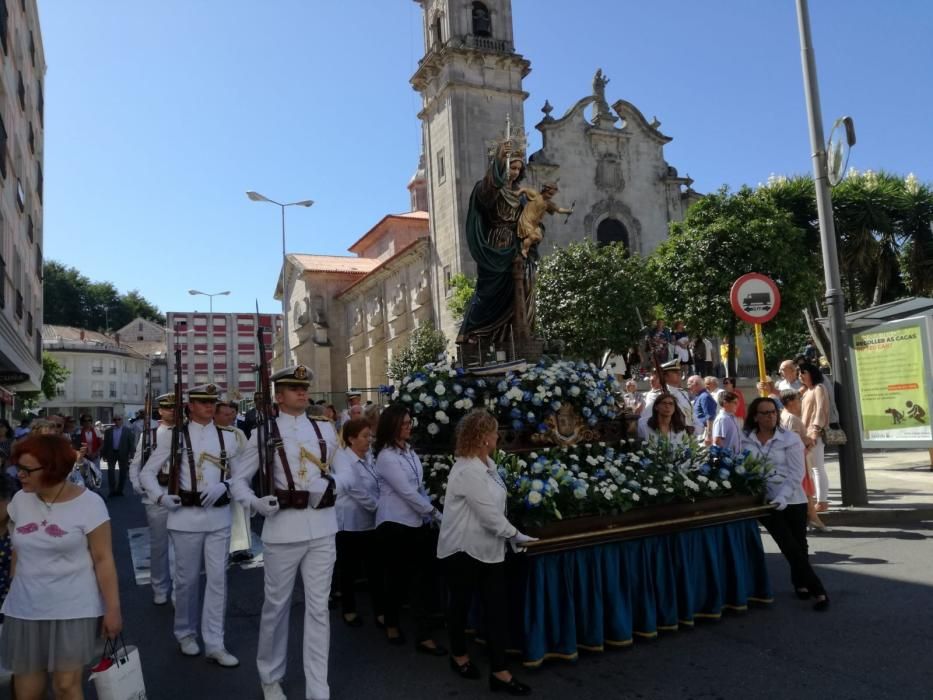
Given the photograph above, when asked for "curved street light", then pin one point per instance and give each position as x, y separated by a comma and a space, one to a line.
256, 197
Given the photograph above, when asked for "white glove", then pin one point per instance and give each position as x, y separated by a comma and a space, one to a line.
212, 494
518, 541
138, 489
780, 502
437, 516
170, 503
266, 506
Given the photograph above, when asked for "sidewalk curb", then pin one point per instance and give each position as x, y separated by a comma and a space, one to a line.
877, 516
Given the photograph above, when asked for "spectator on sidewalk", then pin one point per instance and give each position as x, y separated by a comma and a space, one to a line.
704, 409
117, 449
790, 420
815, 416
790, 377
728, 384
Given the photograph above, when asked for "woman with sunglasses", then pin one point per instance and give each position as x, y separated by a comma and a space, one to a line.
783, 451
728, 384
64, 576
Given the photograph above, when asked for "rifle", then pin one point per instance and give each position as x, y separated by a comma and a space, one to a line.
147, 418
175, 457
265, 414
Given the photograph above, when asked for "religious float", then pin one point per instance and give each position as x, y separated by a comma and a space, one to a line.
633, 538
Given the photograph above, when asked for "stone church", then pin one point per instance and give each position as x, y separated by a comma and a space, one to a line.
351, 314
609, 161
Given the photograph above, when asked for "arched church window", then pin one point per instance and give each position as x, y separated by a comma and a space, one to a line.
612, 231
482, 24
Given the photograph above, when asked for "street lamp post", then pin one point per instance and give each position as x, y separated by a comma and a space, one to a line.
256, 197
851, 467
210, 328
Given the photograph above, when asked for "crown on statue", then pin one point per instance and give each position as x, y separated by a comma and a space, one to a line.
516, 146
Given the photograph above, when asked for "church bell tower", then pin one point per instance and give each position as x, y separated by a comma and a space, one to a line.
470, 81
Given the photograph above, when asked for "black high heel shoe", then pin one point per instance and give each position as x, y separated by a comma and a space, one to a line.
822, 605
512, 687
466, 670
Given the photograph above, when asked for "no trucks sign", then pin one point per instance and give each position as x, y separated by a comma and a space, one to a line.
755, 298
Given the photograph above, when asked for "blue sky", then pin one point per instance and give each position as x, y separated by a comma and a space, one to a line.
160, 115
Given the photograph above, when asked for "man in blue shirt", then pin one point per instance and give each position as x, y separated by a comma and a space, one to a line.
704, 409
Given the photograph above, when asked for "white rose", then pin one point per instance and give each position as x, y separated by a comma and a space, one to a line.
727, 484
534, 498
433, 429
439, 389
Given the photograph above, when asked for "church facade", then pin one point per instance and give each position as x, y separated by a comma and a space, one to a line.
351, 314
607, 161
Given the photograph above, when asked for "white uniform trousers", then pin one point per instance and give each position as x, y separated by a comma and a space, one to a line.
315, 558
161, 566
191, 548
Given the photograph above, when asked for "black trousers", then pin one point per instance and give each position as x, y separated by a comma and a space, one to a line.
356, 552
466, 576
788, 528
111, 468
408, 557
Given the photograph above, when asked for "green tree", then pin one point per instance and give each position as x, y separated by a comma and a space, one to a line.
724, 236
590, 297
53, 374
424, 345
71, 299
461, 291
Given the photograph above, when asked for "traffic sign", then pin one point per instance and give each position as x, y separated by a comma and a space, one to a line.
755, 298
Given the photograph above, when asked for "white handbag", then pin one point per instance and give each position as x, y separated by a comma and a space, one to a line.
119, 674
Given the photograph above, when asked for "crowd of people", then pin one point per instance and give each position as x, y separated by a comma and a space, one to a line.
340, 495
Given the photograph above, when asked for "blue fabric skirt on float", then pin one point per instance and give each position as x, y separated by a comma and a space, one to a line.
608, 594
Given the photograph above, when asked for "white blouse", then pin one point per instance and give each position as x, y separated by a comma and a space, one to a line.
402, 498
358, 492
474, 512
785, 453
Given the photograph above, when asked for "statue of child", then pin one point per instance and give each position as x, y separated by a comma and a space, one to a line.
537, 205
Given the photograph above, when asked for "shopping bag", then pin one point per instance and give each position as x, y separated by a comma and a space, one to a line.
119, 674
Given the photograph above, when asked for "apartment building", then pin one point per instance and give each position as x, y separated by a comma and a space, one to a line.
22, 78
106, 378
222, 349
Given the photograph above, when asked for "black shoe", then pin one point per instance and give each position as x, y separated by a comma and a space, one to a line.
396, 641
436, 650
802, 593
353, 622
512, 687
822, 605
241, 556
467, 670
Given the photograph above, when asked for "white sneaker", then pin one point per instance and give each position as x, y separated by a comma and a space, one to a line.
159, 599
189, 646
223, 658
272, 691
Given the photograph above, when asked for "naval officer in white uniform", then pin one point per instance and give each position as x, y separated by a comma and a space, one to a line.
298, 534
160, 569
199, 522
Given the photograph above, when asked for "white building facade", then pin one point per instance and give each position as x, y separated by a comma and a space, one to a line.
105, 378
22, 114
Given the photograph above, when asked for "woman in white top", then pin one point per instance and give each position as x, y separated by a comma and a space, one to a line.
403, 516
356, 519
64, 576
666, 423
787, 523
472, 548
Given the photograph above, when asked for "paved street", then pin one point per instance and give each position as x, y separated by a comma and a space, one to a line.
874, 642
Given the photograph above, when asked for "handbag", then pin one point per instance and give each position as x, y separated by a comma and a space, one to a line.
119, 673
834, 435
